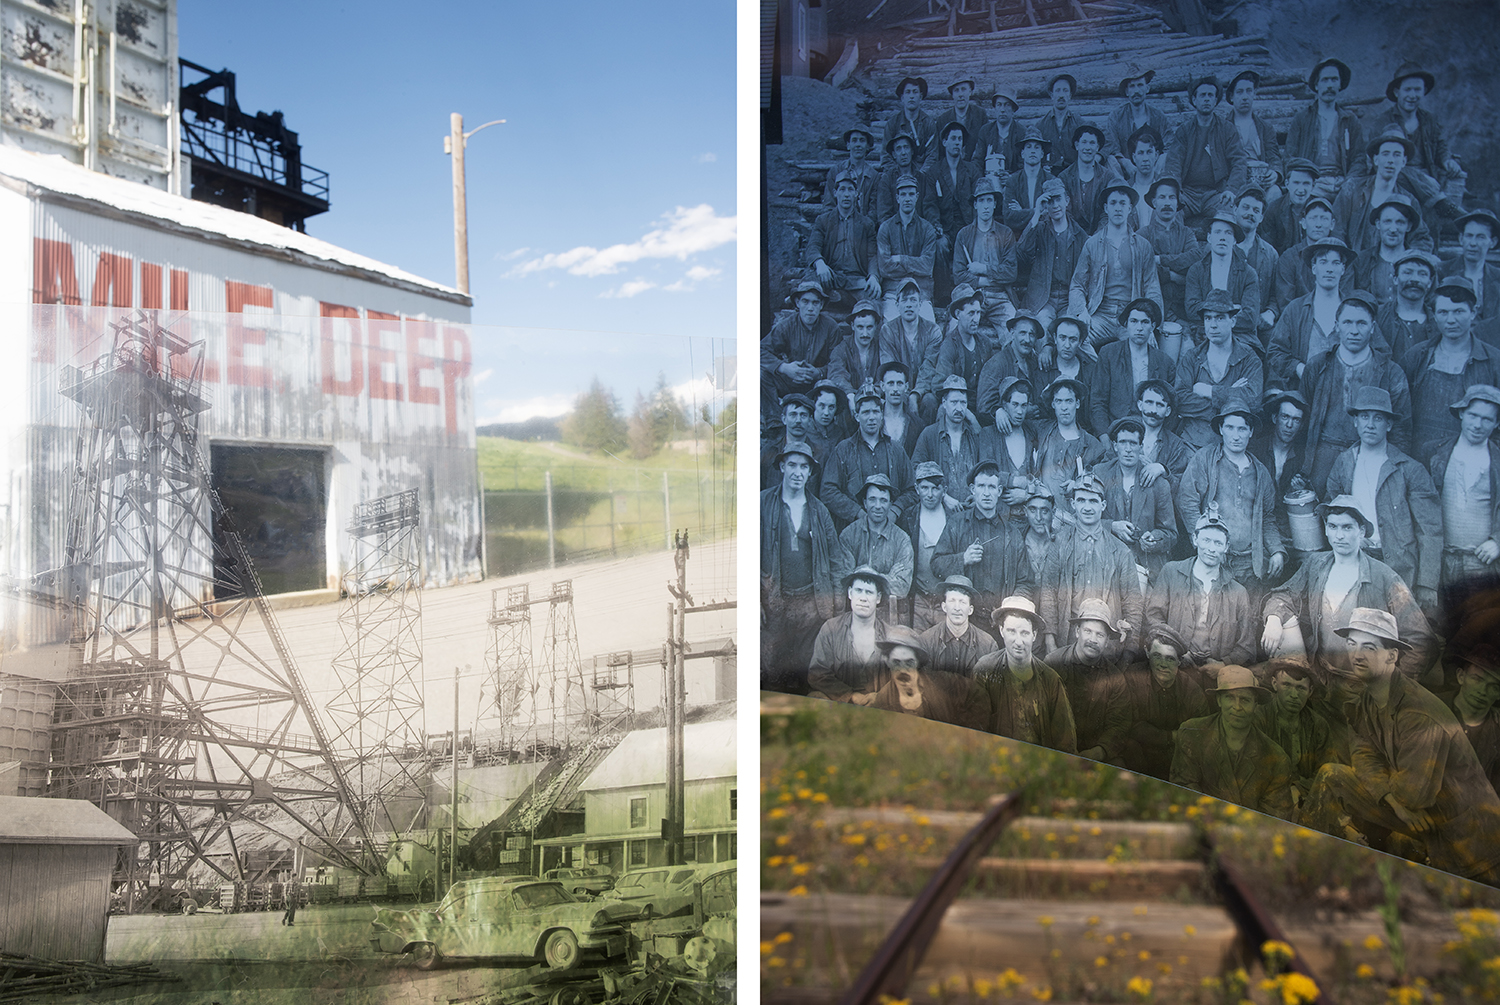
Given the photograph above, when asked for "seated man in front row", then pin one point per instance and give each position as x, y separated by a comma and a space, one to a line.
1225, 755
1027, 700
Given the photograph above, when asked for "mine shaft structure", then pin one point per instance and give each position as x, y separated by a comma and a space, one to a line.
184, 716
376, 718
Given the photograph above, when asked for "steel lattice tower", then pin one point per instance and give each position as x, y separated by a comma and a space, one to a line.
570, 710
186, 719
377, 716
512, 678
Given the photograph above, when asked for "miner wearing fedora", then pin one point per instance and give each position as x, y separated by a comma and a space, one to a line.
1257, 136
906, 247
1026, 697
1478, 235
1060, 123
1050, 246
910, 119
1087, 562
1396, 494
1115, 266
841, 245
1329, 585
1292, 721
1413, 771
1159, 693
967, 113
1225, 365
1087, 177
1227, 756
924, 525
1406, 320
875, 541
956, 643
858, 142
1207, 155
1226, 267
1324, 133
847, 664
1375, 267
1130, 116
1174, 244
1090, 668
984, 545
1440, 371
984, 255
997, 147
1360, 198
1430, 163
914, 687
1028, 177
1308, 324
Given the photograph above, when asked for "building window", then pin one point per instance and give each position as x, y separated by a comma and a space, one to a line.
637, 853
734, 845
734, 804
637, 812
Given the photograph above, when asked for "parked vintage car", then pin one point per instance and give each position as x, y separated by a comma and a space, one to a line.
501, 918
664, 891
582, 880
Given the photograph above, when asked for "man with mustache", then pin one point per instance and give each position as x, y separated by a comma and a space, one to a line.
1174, 244
1326, 134
1405, 320
1439, 371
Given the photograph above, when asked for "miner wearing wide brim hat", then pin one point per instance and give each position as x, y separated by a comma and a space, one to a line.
1457, 356
966, 112
1339, 149
984, 252
910, 118
1478, 237
1414, 775
859, 142
1388, 153
1227, 756
983, 543
1431, 159
915, 686
956, 641
1116, 266
1129, 117
1059, 121
845, 665
1207, 155
1028, 176
1026, 697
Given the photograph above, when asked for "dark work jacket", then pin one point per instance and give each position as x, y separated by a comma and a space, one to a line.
1050, 718
1002, 572
1147, 508
1195, 413
824, 238
921, 360
1244, 289
1017, 191
1408, 511
830, 561
1039, 249
851, 463
1155, 713
955, 205
1324, 392
1349, 142
1112, 393
1232, 631
1491, 285
1219, 142
1094, 694
1258, 778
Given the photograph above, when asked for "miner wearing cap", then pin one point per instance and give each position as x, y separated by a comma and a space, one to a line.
924, 524
1440, 371
1474, 700
1332, 379
801, 564
1115, 267
1308, 324
909, 119
906, 247
1202, 602
1027, 700
1321, 595
875, 541
913, 340
1059, 124
1406, 320
1174, 244
1396, 494
1086, 178
1143, 517
1283, 222
1050, 246
997, 146
1159, 694
900, 408
1257, 136
1164, 454
1226, 268
865, 453
1224, 474
1309, 739
1224, 366
955, 642
1064, 447
1207, 155
1085, 562
847, 664
952, 442
794, 353
1132, 115
855, 360
1478, 235
1361, 198
982, 544
984, 255
1039, 506
903, 163
1227, 756
913, 687
1324, 133
1090, 668
858, 141
1466, 473
1413, 771
964, 112
967, 346
1027, 179
1294, 268
1375, 266
841, 245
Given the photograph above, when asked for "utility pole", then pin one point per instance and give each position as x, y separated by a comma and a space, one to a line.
453, 809
454, 144
674, 825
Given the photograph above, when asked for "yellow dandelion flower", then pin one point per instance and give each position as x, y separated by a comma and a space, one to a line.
782, 840
1140, 909
1165, 968
1139, 986
801, 869
1275, 949
1189, 930
775, 961
804, 793
832, 769
1009, 979
923, 821
820, 797
934, 989
1093, 919
1374, 942
778, 812
1109, 940
782, 938
1298, 989
775, 861
797, 891
1364, 971
1043, 994
1045, 921
1124, 936
1095, 831
982, 987
785, 796
766, 949
861, 860
854, 839
1143, 955
1101, 961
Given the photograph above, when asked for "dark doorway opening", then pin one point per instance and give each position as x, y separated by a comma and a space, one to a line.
278, 501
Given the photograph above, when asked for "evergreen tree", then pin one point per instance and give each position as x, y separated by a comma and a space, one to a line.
595, 422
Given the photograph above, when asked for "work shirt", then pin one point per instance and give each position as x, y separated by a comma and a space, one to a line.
1088, 564
918, 352
1330, 386
906, 251
1057, 457
852, 462
1245, 502
1036, 711
1000, 573
995, 247
1468, 496
1208, 157
937, 444
1433, 390
957, 359
1309, 741
1217, 623
957, 654
838, 668
1094, 694
1257, 777
886, 549
1195, 412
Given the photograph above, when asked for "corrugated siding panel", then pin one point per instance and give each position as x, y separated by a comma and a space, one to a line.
26, 730
54, 900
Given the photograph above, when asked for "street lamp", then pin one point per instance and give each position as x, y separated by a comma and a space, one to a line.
454, 144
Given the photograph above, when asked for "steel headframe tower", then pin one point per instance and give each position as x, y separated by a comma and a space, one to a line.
513, 679
186, 718
377, 716
568, 697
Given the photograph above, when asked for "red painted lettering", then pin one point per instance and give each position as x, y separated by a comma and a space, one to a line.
54, 277
179, 297
378, 323
150, 286
349, 323
112, 281
238, 296
457, 358
418, 363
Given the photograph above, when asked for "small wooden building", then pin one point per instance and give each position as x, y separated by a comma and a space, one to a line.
56, 857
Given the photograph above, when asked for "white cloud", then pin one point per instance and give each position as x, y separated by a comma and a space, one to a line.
707, 158
509, 255
543, 406
694, 275
629, 289
684, 232
483, 375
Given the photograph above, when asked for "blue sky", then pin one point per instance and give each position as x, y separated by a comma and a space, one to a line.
605, 203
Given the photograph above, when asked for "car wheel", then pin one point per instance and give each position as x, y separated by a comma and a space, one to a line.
561, 951
424, 956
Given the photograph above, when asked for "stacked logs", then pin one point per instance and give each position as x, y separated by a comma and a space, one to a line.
22, 976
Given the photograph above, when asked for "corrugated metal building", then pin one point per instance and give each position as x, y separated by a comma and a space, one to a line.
56, 857
333, 379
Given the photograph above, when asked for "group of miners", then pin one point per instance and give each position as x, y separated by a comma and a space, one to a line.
1194, 472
